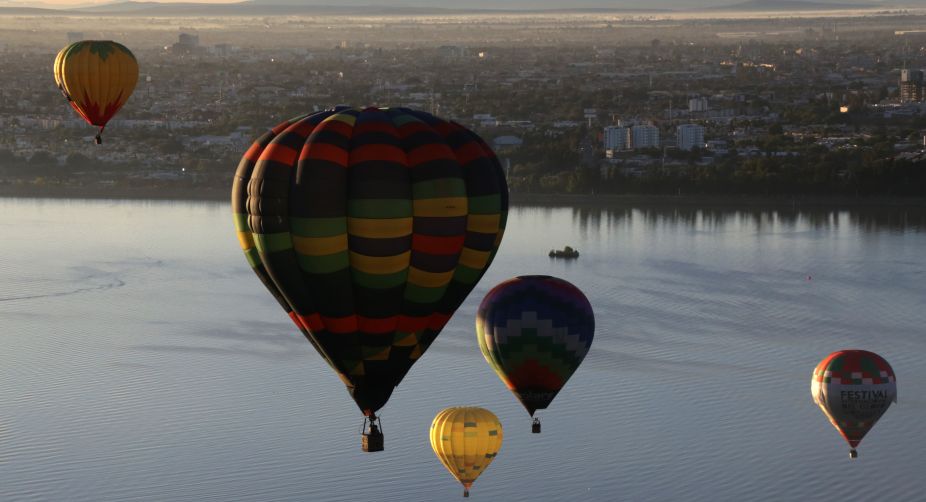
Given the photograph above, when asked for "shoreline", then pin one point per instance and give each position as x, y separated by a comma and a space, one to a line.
730, 200
214, 194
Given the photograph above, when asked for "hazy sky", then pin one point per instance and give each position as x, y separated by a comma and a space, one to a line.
491, 4
83, 3
451, 3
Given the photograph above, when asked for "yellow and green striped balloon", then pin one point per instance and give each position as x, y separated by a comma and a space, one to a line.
466, 440
370, 227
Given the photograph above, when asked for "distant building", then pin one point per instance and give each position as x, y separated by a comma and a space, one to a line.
452, 51
644, 136
223, 50
188, 40
690, 136
485, 119
507, 143
616, 138
911, 86
698, 105
187, 44
718, 146
75, 36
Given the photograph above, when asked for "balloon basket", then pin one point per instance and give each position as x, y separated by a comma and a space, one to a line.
372, 442
853, 453
372, 437
535, 427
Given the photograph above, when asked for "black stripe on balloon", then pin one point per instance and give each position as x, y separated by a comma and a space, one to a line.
440, 226
435, 170
318, 191
379, 246
480, 178
434, 263
420, 138
332, 293
458, 138
379, 180
292, 140
479, 241
415, 309
330, 137
372, 138
378, 303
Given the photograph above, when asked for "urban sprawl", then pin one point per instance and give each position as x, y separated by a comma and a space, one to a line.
825, 107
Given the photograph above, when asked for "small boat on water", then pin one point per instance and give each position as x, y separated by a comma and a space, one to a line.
566, 252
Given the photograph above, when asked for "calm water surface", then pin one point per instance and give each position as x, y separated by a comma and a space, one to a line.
141, 359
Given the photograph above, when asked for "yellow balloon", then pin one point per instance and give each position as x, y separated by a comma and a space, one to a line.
97, 77
466, 440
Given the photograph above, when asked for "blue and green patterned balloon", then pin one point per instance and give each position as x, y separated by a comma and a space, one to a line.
535, 331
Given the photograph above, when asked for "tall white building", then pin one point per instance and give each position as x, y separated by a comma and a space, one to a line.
616, 138
644, 136
690, 136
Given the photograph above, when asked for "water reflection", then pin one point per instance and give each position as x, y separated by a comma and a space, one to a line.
593, 220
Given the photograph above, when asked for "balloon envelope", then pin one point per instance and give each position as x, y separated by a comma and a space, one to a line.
466, 440
97, 77
853, 388
535, 331
370, 227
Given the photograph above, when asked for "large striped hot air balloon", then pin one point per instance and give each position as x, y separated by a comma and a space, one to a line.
97, 77
370, 227
466, 440
534, 331
853, 388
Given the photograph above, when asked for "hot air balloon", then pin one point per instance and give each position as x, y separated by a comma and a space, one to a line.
534, 331
853, 388
97, 77
370, 227
466, 440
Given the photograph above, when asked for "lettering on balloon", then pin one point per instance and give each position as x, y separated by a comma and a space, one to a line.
865, 403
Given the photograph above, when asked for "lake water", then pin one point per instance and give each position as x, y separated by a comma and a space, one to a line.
141, 359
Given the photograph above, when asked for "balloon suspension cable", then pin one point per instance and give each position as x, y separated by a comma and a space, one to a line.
99, 136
